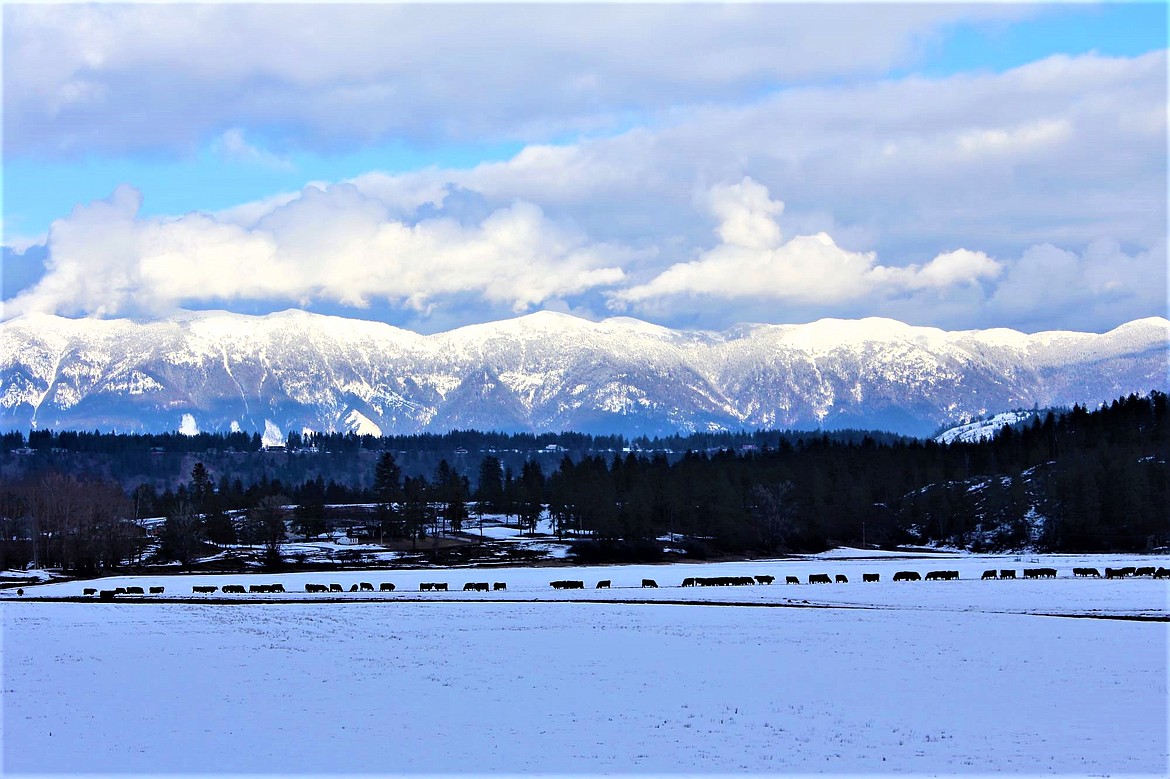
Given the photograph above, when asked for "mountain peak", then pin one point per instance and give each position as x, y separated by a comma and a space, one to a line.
549, 371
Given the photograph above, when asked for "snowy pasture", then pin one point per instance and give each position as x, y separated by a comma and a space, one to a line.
964, 676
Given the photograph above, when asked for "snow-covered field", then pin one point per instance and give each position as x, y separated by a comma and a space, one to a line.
964, 676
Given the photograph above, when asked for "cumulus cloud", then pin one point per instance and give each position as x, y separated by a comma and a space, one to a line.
332, 244
752, 261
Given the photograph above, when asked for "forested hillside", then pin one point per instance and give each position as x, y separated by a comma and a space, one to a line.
1082, 480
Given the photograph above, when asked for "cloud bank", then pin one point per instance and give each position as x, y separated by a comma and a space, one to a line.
738, 164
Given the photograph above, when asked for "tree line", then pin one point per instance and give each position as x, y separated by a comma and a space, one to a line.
1079, 481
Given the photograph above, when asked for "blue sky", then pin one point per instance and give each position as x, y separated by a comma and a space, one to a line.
606, 160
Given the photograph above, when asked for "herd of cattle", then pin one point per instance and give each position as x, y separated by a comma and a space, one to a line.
690, 581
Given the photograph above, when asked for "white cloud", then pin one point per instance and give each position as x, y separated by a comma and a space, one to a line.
233, 146
103, 76
753, 262
334, 245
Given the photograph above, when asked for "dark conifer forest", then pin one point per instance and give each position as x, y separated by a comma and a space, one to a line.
1075, 480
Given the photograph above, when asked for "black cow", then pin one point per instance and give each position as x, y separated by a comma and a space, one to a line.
1086, 572
134, 591
440, 585
366, 587
386, 587
103, 595
907, 576
1114, 573
565, 584
819, 578
156, 590
499, 585
689, 581
988, 574
254, 588
841, 579
935, 575
204, 589
649, 583
425, 586
1162, 573
1007, 573
765, 579
119, 590
316, 588
1144, 571
353, 588
89, 591
603, 584
870, 577
791, 580
276, 587
335, 588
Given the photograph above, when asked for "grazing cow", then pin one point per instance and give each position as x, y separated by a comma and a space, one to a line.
254, 588
499, 585
1046, 573
1162, 573
819, 578
1145, 571
1114, 573
20, 592
565, 584
276, 587
89, 591
603, 584
689, 581
103, 595
935, 575
649, 583
366, 587
1087, 572
907, 576
134, 591
156, 590
1031, 573
1007, 573
204, 589
1130, 571
335, 588
119, 590
440, 585
316, 588
870, 577
841, 579
988, 574
353, 588
477, 586
765, 579
386, 587
425, 587
791, 580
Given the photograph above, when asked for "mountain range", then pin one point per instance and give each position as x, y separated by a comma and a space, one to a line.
218, 371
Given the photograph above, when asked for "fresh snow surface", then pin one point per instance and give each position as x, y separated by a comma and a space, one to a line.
960, 677
974, 432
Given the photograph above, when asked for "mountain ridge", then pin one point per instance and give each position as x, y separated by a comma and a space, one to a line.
296, 370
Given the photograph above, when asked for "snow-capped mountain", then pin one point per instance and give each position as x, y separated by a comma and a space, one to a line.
548, 372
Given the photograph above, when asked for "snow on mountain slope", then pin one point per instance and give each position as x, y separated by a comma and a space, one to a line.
982, 429
550, 371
